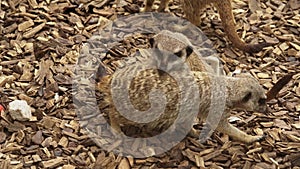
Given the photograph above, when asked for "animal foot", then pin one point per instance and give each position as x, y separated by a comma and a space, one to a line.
194, 133
254, 48
252, 139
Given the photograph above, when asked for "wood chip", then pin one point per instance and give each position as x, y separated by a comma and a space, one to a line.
53, 163
40, 45
33, 31
27, 24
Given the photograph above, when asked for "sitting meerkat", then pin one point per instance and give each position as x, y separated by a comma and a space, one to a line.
243, 91
192, 10
181, 46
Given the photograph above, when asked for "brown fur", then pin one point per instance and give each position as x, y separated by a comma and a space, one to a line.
193, 8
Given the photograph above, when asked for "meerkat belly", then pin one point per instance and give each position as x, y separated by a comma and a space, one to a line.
204, 82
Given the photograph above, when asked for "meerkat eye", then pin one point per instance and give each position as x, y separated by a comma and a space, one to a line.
244, 71
179, 54
185, 52
262, 101
247, 97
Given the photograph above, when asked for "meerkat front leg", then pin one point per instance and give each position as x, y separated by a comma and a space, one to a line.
148, 5
225, 127
193, 9
114, 124
163, 5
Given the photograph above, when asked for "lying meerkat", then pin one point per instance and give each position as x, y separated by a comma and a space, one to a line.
193, 8
243, 92
179, 43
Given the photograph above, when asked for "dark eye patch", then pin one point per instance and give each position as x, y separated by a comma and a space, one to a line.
185, 52
247, 97
179, 53
262, 101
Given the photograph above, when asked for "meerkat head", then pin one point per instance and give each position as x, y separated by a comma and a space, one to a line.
246, 93
172, 42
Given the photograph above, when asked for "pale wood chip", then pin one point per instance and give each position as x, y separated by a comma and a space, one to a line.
33, 31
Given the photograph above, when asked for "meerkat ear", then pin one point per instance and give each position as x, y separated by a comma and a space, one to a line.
152, 42
189, 50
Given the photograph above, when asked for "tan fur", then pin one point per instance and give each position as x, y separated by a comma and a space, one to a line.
193, 9
238, 88
149, 79
174, 42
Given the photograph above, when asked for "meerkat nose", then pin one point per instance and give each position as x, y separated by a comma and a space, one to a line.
264, 109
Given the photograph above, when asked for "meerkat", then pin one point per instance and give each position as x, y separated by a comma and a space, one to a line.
243, 92
193, 8
181, 46
179, 43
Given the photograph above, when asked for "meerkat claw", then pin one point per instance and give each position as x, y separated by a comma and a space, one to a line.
255, 139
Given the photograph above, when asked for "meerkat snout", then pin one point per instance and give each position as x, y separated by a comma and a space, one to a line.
248, 94
254, 101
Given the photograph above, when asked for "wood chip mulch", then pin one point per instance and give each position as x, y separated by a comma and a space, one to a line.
40, 42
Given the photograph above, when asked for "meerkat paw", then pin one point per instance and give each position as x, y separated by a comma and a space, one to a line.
145, 9
254, 48
194, 133
251, 139
237, 134
142, 9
